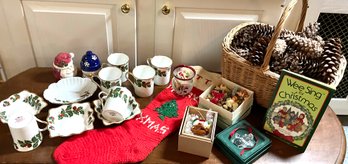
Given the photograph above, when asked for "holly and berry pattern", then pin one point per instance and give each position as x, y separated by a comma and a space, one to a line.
144, 84
33, 101
32, 143
69, 111
161, 73
123, 68
108, 84
168, 109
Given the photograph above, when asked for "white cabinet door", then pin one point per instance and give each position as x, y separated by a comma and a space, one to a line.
193, 31
71, 26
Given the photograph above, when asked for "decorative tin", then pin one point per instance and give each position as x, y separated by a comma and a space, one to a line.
242, 143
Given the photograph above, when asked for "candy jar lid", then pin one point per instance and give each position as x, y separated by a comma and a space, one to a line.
63, 59
90, 62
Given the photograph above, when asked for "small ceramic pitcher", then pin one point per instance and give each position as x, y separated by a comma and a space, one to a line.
143, 80
25, 132
63, 65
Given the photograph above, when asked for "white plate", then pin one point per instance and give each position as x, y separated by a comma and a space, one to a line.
70, 119
70, 90
24, 100
132, 105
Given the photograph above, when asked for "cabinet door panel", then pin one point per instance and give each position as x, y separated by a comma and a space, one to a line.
193, 31
198, 35
35, 31
78, 27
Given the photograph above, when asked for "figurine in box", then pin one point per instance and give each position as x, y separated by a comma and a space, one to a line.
63, 65
242, 143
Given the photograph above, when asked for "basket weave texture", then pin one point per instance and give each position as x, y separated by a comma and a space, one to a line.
260, 79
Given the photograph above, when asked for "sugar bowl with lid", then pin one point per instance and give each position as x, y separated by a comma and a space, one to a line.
90, 64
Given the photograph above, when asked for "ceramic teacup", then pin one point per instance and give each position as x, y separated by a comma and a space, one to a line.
121, 61
25, 131
143, 80
109, 77
115, 104
162, 66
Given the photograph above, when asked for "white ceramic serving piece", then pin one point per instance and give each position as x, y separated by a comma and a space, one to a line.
71, 119
23, 100
132, 105
162, 66
70, 90
121, 61
25, 131
143, 82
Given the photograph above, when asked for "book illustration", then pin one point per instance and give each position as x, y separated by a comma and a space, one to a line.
289, 120
296, 108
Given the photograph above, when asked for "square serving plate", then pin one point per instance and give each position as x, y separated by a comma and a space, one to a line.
23, 100
71, 119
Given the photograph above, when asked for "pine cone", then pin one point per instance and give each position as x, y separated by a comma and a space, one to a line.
258, 51
330, 60
302, 64
248, 35
304, 45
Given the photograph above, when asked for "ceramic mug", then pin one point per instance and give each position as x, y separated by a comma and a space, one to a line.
182, 81
143, 80
109, 77
115, 104
25, 131
119, 60
162, 66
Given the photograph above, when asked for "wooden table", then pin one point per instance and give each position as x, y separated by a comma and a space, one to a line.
328, 144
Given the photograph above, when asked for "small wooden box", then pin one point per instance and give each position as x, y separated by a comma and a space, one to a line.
194, 144
227, 118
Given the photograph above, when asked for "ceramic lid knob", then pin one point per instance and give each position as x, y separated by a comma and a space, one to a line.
90, 62
63, 59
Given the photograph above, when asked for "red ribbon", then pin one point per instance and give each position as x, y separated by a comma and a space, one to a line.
250, 130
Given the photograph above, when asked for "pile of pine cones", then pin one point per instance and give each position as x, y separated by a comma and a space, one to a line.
303, 52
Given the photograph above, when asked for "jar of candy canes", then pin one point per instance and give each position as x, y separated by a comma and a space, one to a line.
182, 81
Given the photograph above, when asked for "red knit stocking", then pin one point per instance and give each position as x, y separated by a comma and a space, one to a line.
131, 141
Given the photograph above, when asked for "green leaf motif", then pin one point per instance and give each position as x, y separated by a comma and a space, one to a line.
6, 103
33, 142
168, 109
3, 115
70, 111
15, 97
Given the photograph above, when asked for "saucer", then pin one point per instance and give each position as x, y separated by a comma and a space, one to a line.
23, 100
132, 105
70, 90
70, 119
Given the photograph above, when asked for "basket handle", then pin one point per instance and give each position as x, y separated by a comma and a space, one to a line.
279, 27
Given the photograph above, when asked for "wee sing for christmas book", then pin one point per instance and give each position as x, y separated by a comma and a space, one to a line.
296, 108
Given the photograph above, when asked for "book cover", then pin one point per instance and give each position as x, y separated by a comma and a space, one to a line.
297, 106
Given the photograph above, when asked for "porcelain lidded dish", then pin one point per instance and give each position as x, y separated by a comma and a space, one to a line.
90, 64
63, 65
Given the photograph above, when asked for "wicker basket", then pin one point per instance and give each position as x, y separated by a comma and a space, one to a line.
260, 79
